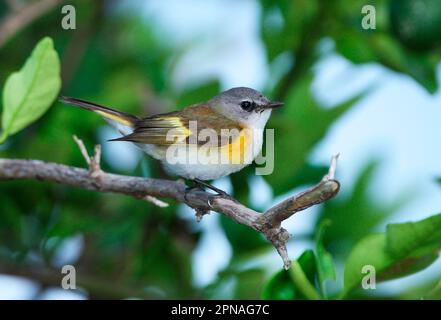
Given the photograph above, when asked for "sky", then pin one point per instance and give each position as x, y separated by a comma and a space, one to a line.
225, 44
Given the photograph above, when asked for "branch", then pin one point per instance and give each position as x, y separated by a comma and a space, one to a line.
14, 5
268, 223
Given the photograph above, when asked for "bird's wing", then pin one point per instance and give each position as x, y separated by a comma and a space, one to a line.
186, 127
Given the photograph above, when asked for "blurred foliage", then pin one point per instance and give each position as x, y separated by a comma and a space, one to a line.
416, 23
299, 137
119, 58
356, 209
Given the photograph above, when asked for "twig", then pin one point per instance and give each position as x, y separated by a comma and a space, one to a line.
24, 16
95, 165
95, 169
268, 223
94, 161
332, 167
14, 5
155, 201
83, 150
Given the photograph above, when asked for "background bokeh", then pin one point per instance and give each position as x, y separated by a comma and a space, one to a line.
372, 95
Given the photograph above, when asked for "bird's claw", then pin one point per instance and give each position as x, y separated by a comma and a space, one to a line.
222, 195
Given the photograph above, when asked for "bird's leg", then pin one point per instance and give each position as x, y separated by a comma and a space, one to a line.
201, 184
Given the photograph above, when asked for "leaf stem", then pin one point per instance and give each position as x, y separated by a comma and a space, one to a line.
301, 281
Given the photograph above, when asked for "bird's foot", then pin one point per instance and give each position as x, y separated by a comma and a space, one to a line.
190, 188
202, 184
213, 197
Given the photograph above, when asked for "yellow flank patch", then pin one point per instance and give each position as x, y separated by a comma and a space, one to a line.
114, 117
237, 151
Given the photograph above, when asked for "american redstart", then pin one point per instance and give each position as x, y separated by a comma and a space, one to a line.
204, 141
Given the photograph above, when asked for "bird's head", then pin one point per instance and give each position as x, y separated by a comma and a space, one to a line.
244, 105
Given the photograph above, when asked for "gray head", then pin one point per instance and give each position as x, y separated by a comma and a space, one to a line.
245, 105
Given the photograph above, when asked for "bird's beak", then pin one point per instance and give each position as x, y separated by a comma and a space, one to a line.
274, 105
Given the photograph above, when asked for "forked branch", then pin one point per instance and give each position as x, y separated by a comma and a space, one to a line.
268, 222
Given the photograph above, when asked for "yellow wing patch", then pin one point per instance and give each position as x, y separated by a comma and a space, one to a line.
176, 123
177, 132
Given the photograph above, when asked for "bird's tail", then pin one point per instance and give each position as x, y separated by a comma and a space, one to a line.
116, 118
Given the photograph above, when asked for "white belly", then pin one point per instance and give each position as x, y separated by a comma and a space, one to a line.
202, 172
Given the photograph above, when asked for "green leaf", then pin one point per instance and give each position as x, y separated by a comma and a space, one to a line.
281, 287
414, 238
368, 251
29, 92
407, 266
325, 265
404, 249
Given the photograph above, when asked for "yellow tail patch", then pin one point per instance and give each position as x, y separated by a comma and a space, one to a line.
114, 117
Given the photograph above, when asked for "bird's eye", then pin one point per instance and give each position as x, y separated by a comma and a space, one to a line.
247, 105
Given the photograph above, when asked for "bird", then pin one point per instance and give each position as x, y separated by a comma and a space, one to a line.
201, 142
